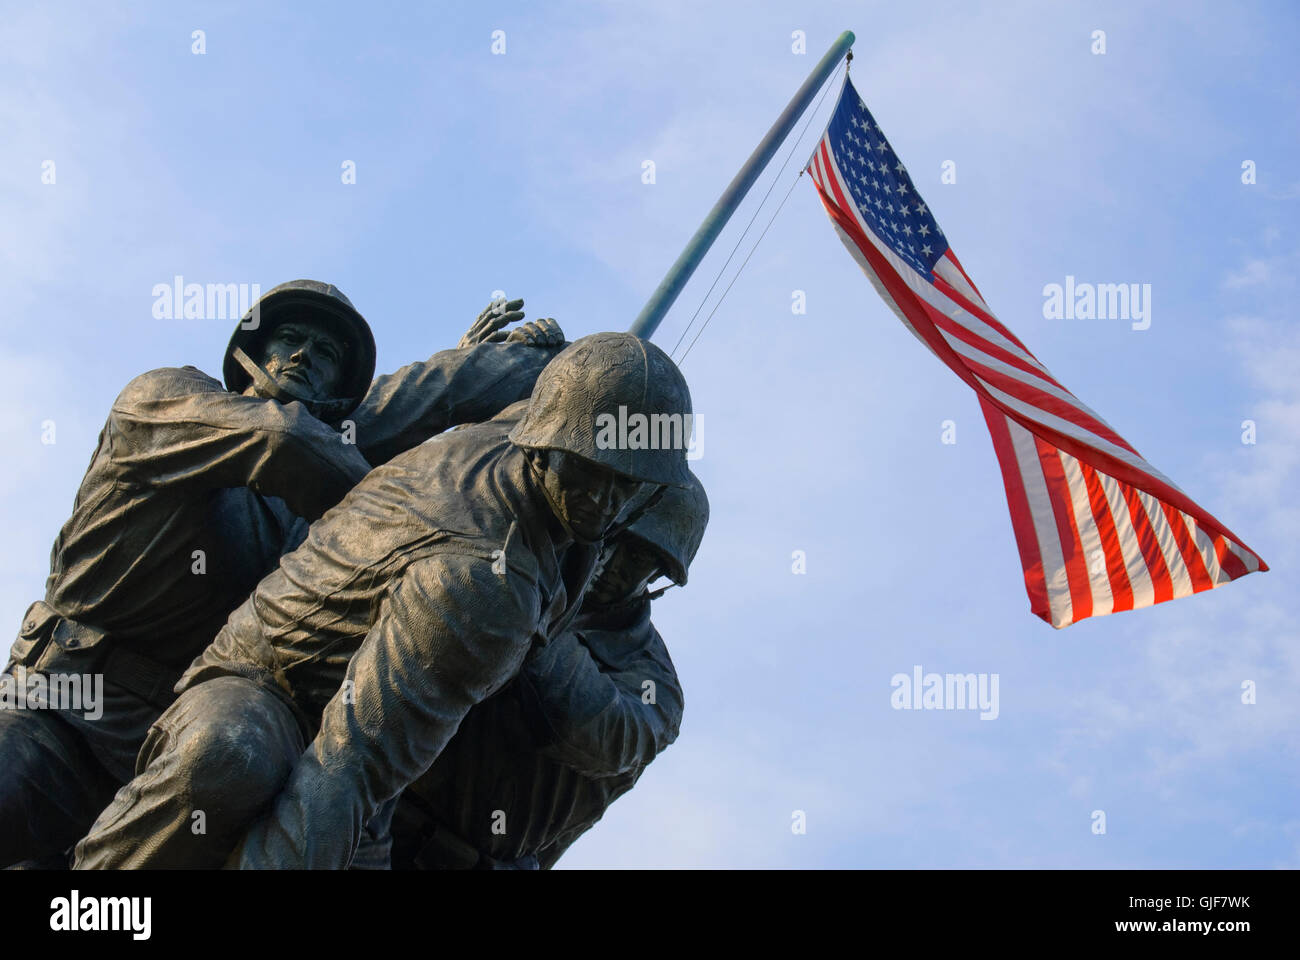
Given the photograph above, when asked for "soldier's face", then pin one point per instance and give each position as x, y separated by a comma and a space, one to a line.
304, 359
628, 566
588, 498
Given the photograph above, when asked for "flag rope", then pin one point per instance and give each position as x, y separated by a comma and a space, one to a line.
741, 239
793, 184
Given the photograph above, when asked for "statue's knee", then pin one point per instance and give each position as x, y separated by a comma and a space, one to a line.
235, 748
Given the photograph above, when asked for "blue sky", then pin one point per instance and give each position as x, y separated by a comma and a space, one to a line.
523, 172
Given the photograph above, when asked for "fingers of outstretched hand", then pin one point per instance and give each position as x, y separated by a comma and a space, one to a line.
554, 336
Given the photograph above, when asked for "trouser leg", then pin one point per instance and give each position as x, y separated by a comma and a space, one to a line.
209, 766
51, 785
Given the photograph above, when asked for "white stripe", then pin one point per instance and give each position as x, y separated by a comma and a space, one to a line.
1040, 509
1094, 555
1245, 556
1205, 547
1139, 577
948, 270
1178, 572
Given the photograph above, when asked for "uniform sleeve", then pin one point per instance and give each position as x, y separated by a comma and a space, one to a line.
403, 409
181, 428
602, 722
450, 632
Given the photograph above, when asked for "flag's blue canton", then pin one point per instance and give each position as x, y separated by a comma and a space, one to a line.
881, 188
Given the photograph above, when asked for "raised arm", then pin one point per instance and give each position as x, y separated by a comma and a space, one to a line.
181, 428
471, 383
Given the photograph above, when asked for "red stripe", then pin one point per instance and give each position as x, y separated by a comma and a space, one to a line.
1120, 586
1022, 521
1191, 556
1149, 545
1076, 565
1228, 560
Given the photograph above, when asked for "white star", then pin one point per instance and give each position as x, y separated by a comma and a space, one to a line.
853, 120
926, 249
902, 188
925, 231
920, 208
880, 147
900, 168
907, 230
875, 185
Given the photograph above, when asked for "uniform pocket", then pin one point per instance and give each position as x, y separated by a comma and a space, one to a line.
34, 633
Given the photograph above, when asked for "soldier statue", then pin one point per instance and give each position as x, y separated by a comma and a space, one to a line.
341, 679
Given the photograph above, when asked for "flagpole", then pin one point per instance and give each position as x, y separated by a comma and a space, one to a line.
652, 313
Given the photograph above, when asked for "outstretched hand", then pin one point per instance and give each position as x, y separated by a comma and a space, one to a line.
487, 328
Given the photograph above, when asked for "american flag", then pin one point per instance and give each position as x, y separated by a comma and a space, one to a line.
1099, 529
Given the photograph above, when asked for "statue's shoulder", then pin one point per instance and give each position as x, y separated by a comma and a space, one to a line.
166, 382
460, 448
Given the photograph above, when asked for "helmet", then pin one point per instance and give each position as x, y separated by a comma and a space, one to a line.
675, 526
615, 400
317, 303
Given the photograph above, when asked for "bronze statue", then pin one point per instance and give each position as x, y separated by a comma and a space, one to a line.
415, 599
194, 493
